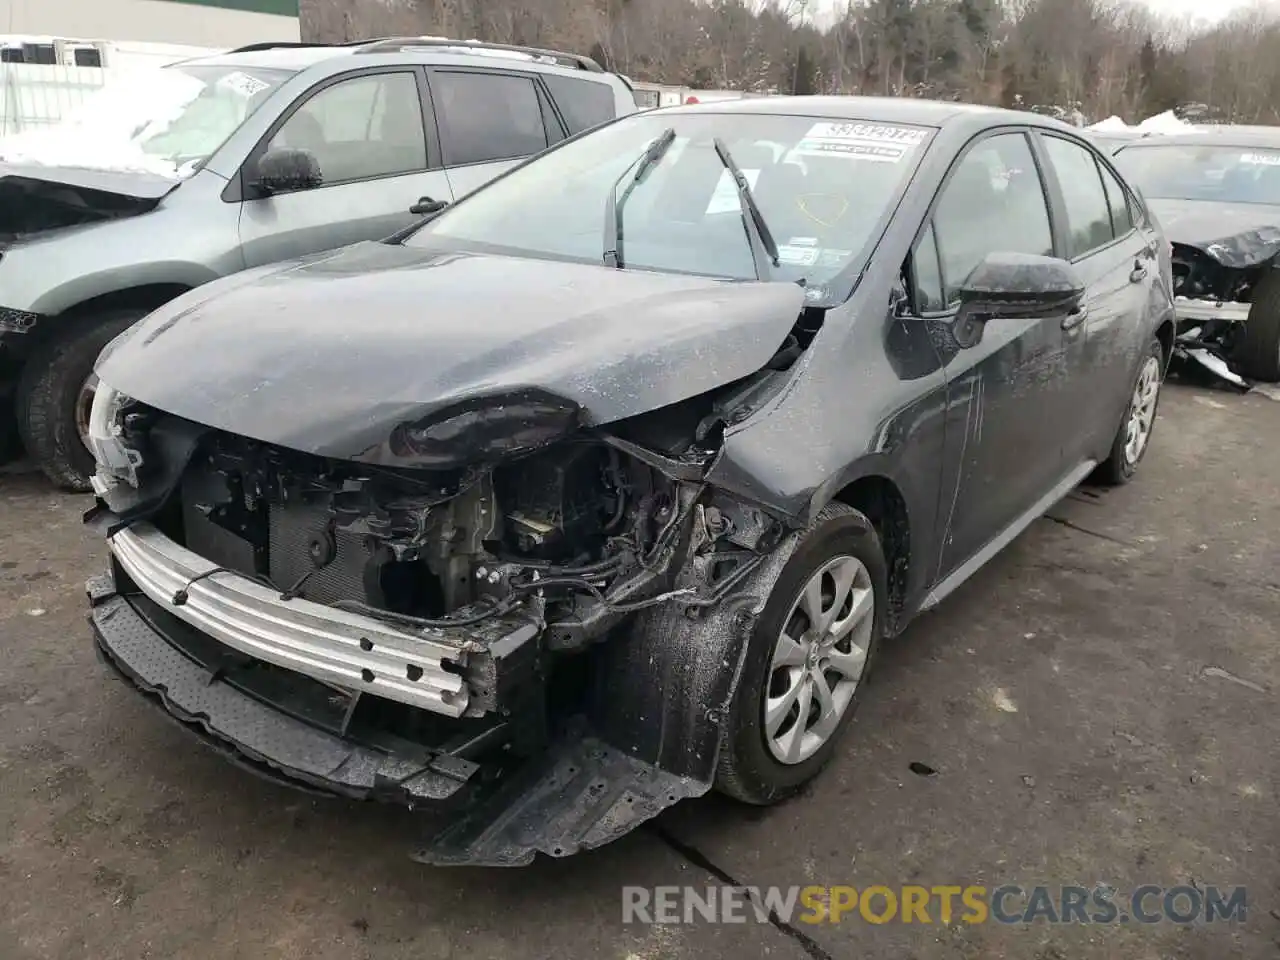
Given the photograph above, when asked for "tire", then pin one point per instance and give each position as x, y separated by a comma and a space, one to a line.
1120, 465
48, 391
1257, 354
748, 769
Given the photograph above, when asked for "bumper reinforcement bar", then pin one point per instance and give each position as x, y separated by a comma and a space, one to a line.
253, 734
334, 646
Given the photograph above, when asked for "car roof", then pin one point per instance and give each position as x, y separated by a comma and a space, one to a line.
1216, 136
931, 113
296, 57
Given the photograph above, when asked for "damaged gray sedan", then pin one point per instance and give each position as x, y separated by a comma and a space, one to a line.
1217, 195
601, 488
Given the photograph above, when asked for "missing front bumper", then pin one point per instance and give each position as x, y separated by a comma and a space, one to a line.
577, 794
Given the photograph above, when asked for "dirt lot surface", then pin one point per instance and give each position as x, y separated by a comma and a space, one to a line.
1099, 705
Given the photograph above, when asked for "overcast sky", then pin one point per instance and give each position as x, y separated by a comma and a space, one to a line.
1206, 9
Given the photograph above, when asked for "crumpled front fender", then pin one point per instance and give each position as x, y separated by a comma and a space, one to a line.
665, 688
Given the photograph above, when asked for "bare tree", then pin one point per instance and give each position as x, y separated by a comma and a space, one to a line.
1100, 56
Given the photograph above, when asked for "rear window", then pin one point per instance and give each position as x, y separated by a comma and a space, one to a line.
582, 103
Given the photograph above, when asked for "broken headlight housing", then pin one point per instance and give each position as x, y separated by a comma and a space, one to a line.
117, 460
484, 430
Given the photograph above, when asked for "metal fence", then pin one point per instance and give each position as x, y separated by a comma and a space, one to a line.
33, 96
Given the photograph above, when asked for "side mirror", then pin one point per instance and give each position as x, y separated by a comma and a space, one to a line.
1015, 285
425, 207
284, 169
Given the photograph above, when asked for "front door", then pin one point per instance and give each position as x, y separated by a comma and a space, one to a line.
1006, 397
369, 133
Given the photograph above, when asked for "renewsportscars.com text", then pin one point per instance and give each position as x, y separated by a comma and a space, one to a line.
1007, 903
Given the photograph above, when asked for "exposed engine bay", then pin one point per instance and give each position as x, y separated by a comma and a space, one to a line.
526, 565
587, 529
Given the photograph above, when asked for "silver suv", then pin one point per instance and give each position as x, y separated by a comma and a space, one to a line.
215, 165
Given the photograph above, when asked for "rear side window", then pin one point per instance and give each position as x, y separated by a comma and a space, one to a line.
1088, 213
582, 103
1118, 201
488, 116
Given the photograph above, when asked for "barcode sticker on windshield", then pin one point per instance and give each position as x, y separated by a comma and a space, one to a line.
1262, 159
242, 84
876, 142
797, 256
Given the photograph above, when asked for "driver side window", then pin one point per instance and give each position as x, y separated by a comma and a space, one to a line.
368, 126
993, 201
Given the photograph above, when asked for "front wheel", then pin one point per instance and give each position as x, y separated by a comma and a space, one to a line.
55, 395
1134, 435
810, 654
1257, 352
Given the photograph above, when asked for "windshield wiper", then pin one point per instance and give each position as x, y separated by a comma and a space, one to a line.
763, 249
613, 206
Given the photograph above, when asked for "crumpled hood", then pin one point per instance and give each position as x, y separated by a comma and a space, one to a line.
1234, 234
35, 198
327, 355
139, 184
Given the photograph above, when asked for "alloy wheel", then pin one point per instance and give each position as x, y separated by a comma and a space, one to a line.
1142, 411
818, 660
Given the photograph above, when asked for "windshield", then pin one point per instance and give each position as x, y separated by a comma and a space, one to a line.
1216, 172
166, 121
823, 188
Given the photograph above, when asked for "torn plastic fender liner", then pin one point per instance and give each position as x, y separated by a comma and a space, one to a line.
652, 736
665, 688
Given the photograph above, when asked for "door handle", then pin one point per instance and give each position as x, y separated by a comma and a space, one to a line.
1075, 317
1138, 273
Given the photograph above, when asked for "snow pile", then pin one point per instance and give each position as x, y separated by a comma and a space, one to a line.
1164, 123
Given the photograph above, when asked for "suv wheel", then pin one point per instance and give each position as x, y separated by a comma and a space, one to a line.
55, 395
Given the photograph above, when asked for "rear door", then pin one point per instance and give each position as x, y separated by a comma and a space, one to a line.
374, 136
1118, 263
489, 121
1004, 404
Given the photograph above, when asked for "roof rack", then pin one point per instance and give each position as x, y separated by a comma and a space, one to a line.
391, 44
292, 45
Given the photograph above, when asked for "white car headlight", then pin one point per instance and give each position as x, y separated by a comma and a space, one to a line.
117, 461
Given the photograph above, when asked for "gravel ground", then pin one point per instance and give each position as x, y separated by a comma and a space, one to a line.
1097, 705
